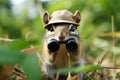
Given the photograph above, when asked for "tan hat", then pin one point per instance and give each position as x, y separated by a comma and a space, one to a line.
61, 16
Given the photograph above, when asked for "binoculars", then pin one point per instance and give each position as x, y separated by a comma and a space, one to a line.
54, 45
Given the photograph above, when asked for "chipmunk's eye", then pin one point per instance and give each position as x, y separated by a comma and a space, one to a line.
72, 28
51, 29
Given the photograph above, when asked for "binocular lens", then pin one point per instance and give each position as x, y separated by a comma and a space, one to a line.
71, 45
53, 45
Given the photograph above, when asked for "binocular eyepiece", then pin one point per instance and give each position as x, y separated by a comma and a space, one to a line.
54, 45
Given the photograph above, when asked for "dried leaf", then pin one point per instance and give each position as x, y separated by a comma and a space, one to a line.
30, 50
110, 35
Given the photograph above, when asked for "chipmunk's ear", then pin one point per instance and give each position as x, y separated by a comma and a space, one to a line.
46, 17
77, 16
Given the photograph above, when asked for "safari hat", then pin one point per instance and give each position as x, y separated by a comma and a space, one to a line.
61, 16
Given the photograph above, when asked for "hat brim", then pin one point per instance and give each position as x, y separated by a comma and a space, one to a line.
60, 21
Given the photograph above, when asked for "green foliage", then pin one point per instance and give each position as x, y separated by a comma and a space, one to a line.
22, 44
31, 67
11, 55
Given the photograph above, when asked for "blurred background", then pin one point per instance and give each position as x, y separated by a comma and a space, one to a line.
22, 19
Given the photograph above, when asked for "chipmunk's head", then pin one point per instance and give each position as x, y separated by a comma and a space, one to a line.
62, 26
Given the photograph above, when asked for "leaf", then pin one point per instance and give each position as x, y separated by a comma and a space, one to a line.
31, 67
9, 56
29, 63
30, 50
21, 44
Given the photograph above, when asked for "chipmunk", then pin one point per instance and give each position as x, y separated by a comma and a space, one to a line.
61, 39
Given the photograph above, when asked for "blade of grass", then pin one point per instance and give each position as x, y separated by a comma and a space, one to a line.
88, 77
79, 69
102, 59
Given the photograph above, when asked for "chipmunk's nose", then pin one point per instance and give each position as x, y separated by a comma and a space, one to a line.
61, 38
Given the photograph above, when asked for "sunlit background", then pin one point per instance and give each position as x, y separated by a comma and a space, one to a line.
19, 18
